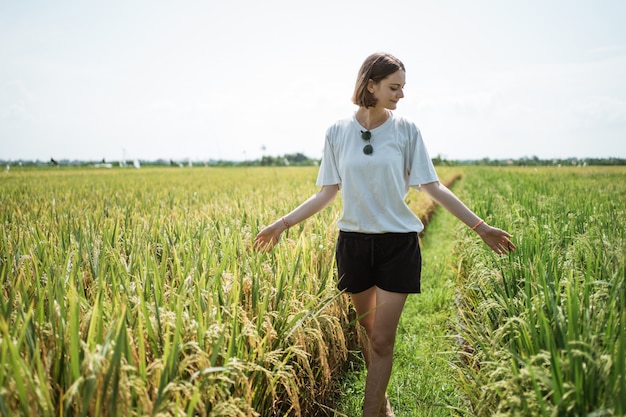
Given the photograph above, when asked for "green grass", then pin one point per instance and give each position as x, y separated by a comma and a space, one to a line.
423, 382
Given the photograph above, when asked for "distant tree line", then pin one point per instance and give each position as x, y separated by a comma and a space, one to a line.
530, 161
299, 159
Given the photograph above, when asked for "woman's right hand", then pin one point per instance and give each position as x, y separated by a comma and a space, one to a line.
268, 238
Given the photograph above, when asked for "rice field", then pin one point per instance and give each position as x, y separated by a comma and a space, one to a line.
136, 292
544, 330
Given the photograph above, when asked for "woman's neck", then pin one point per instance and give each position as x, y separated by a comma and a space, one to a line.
371, 118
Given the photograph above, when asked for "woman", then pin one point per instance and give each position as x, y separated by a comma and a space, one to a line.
374, 157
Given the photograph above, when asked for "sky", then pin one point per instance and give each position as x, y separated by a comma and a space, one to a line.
236, 80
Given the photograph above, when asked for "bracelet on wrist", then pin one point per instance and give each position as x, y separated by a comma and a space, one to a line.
478, 224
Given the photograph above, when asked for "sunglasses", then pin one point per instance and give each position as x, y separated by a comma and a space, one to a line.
366, 136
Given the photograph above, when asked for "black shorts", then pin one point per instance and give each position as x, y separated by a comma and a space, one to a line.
391, 261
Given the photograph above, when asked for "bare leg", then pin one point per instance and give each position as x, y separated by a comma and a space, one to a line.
380, 325
365, 305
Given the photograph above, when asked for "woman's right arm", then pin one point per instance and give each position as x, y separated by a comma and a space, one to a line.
268, 237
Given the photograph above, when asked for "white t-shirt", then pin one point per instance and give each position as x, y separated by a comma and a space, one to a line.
374, 186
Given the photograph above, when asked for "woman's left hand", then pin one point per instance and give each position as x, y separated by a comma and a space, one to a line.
497, 239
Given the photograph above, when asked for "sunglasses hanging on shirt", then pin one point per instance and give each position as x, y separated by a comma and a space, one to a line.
366, 136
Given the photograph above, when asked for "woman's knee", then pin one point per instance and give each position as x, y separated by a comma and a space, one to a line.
382, 344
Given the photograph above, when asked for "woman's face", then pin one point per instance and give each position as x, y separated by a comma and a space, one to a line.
389, 90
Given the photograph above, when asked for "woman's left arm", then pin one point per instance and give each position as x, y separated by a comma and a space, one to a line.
497, 239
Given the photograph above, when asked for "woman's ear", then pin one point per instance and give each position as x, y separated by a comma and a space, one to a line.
370, 86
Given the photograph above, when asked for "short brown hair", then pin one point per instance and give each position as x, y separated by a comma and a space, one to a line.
376, 67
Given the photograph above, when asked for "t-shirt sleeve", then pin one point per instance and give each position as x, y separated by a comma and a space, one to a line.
420, 167
328, 173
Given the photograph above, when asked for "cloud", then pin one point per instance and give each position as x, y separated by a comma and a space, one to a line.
217, 79
17, 102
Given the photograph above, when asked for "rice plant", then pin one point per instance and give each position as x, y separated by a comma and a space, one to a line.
543, 331
136, 292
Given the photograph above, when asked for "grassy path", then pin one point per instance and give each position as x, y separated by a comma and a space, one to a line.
422, 382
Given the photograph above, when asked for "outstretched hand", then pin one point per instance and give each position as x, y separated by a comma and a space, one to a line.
497, 239
267, 238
